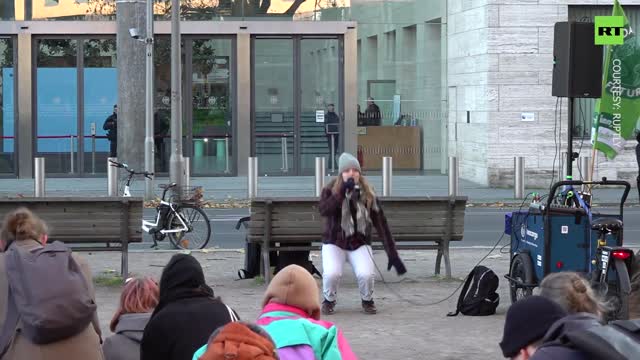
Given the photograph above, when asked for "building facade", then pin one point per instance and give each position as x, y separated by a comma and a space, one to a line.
447, 77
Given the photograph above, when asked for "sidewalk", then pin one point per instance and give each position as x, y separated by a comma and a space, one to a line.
400, 331
235, 188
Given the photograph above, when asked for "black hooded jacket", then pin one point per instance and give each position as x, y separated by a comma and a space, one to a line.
187, 313
553, 346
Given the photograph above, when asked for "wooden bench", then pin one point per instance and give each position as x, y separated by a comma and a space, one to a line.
87, 224
291, 224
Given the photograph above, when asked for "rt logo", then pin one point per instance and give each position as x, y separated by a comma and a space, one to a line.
609, 30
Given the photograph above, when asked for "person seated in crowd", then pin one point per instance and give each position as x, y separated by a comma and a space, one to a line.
186, 315
240, 341
291, 315
25, 232
573, 293
526, 323
138, 299
585, 310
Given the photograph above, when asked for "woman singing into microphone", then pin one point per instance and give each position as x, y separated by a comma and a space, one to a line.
352, 209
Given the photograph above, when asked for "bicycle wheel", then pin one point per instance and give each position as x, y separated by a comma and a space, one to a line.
618, 294
199, 228
522, 273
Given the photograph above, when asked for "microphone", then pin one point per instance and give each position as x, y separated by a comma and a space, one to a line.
356, 191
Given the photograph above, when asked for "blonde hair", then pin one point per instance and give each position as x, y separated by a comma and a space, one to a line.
22, 224
368, 195
573, 293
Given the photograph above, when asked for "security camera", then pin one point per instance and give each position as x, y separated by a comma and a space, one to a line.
134, 33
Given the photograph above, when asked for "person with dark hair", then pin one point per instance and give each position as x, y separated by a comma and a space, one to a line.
25, 232
138, 299
332, 127
111, 127
352, 211
186, 314
372, 114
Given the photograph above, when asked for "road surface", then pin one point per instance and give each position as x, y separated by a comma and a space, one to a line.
483, 227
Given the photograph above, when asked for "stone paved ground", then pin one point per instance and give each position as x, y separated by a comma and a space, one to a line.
401, 329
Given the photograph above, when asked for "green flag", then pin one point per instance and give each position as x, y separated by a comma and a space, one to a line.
617, 111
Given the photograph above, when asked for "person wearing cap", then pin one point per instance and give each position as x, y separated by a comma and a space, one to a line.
352, 211
291, 316
526, 324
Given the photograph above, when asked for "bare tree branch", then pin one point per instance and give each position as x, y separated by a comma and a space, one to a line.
294, 7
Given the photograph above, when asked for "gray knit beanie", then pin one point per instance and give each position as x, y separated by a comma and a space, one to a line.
348, 161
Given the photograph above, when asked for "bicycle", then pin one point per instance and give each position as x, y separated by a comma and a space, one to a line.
611, 268
186, 224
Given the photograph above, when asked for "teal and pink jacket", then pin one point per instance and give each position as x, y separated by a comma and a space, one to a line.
299, 337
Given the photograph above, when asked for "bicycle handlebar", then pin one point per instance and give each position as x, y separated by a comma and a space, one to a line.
131, 171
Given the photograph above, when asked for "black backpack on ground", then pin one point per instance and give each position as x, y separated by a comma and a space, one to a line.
619, 340
253, 258
479, 299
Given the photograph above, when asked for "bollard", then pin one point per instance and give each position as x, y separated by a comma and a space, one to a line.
226, 155
252, 178
39, 177
518, 186
387, 175
320, 166
112, 178
453, 176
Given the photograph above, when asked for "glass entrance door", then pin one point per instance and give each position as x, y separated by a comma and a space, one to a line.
297, 102
76, 90
274, 110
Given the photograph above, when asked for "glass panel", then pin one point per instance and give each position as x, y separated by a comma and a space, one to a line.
7, 10
321, 113
71, 10
100, 96
162, 102
57, 103
7, 110
212, 106
402, 68
274, 117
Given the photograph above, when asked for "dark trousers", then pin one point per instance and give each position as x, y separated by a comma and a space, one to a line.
113, 148
336, 142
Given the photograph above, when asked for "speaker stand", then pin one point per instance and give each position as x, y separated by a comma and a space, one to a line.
570, 155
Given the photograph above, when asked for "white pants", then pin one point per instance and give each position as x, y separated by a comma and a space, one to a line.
361, 260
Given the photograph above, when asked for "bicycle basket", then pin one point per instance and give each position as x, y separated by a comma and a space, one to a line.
190, 194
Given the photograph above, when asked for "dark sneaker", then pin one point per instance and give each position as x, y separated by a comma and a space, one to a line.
328, 307
369, 307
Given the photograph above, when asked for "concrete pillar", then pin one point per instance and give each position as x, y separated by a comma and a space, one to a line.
351, 91
243, 95
131, 84
25, 101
